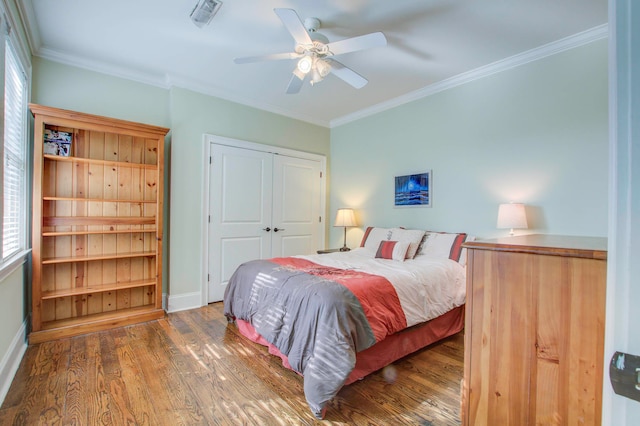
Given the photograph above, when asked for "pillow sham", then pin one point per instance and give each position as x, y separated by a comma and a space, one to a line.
411, 236
445, 245
373, 235
392, 250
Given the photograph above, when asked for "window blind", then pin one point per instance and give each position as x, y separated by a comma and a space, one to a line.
14, 192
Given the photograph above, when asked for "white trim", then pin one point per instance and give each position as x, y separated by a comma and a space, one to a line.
12, 265
167, 81
11, 360
237, 143
610, 296
204, 273
182, 302
157, 80
624, 165
523, 58
28, 16
233, 97
209, 139
19, 38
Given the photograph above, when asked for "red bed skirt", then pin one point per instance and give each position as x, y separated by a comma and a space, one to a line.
390, 349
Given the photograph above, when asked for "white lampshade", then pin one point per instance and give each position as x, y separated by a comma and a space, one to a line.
512, 216
345, 217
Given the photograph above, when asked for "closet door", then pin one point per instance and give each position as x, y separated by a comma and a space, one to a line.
240, 212
296, 206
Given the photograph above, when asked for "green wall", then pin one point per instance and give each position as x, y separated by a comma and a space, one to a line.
76, 89
536, 134
193, 115
189, 115
13, 301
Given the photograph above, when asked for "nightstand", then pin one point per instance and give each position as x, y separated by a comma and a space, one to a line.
325, 251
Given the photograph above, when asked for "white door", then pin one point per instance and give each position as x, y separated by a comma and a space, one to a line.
239, 212
296, 206
261, 205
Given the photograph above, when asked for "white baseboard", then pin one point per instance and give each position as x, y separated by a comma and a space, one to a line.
182, 302
11, 360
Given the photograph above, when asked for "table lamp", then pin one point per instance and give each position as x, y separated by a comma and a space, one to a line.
345, 218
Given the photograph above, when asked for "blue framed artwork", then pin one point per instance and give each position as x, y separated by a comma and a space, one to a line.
413, 190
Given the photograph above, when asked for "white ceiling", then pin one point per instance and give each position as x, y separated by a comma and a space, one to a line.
429, 41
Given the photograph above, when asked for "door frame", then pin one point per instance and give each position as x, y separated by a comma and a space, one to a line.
209, 139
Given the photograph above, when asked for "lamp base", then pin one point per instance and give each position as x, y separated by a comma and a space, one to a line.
344, 246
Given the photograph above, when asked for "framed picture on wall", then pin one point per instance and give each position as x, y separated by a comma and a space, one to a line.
413, 190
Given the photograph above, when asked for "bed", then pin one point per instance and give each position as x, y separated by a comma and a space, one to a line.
334, 318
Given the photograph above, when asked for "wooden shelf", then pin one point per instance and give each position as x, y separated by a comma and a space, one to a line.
90, 258
97, 220
94, 322
96, 289
96, 200
100, 162
115, 231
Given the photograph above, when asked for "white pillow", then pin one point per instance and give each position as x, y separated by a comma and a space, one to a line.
445, 245
411, 236
372, 237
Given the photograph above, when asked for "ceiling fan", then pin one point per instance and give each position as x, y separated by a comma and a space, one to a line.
315, 53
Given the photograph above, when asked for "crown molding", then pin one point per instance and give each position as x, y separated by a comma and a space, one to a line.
28, 17
576, 40
228, 96
158, 80
166, 81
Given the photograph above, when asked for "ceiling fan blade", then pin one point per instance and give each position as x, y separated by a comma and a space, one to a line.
352, 44
271, 57
347, 74
294, 25
295, 84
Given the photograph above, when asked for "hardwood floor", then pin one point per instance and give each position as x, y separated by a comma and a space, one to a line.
190, 368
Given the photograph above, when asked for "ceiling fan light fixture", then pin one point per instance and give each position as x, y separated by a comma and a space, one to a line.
305, 64
316, 77
323, 67
204, 11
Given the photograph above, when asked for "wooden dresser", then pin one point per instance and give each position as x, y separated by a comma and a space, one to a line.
534, 333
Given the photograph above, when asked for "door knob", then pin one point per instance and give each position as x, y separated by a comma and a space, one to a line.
267, 229
278, 229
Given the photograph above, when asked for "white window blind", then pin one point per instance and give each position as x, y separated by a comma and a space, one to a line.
13, 173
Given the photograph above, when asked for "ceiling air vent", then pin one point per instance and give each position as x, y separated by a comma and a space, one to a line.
204, 11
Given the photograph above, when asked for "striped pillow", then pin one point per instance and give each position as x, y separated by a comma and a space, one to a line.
393, 250
445, 245
373, 235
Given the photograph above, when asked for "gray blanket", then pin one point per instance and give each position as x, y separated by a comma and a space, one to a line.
317, 323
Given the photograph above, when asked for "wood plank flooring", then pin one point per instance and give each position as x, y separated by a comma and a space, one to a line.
191, 368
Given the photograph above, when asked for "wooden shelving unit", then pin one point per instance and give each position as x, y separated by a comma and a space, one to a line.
97, 225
